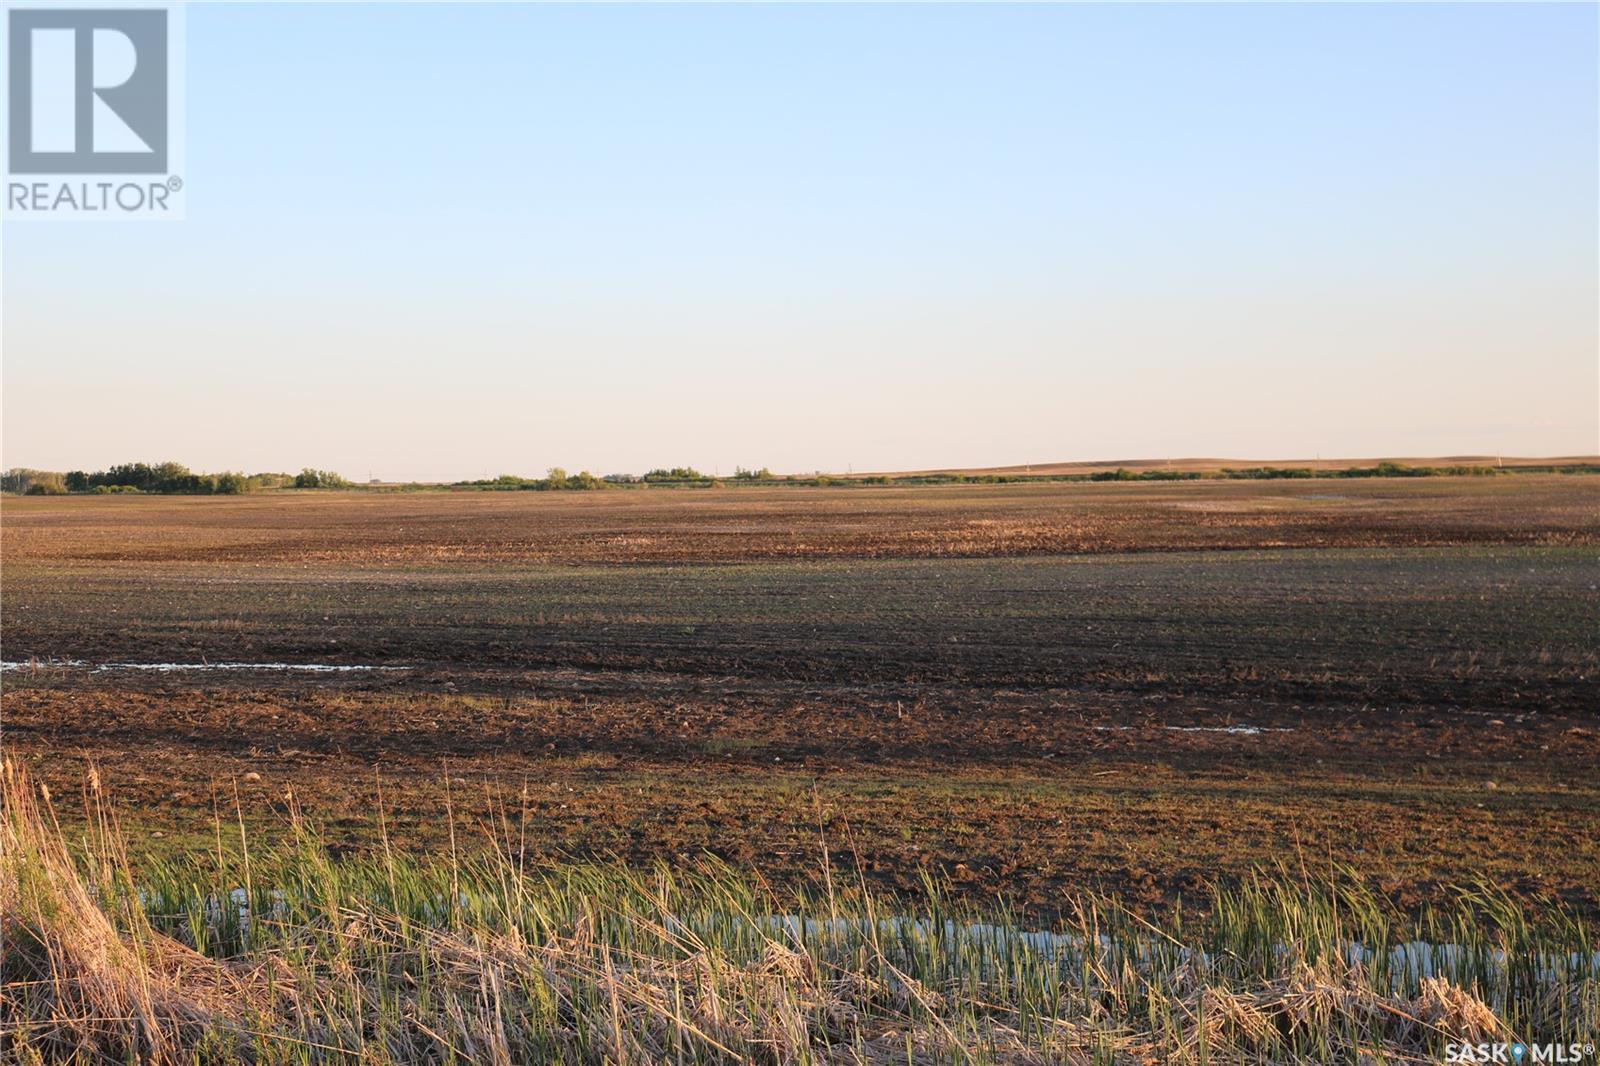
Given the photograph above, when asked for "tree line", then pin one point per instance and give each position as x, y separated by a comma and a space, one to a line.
175, 478
160, 478
556, 478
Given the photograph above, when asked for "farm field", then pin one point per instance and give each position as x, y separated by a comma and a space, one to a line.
1030, 689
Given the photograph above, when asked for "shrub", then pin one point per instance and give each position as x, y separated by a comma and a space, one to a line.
1258, 473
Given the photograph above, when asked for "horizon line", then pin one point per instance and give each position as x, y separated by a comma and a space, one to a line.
1044, 468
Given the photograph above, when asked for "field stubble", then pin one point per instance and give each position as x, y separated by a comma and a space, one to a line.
1026, 688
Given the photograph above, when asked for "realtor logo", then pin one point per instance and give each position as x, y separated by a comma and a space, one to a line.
94, 112
88, 91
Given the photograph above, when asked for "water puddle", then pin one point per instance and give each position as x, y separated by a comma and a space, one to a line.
1235, 730
1410, 959
1405, 961
168, 668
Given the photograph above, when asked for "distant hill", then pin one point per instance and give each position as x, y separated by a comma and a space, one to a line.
1210, 465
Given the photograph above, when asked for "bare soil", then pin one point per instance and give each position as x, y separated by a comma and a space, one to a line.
1026, 688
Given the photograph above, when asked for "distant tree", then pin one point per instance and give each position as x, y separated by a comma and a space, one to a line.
47, 485
22, 479
174, 477
310, 478
134, 475
143, 477
676, 473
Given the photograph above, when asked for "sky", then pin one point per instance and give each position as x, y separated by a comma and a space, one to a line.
439, 242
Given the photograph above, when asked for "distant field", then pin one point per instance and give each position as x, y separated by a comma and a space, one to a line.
754, 523
1201, 465
1027, 687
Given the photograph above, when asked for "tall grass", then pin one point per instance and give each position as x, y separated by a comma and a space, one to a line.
288, 955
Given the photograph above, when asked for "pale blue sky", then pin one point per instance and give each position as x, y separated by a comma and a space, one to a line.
440, 242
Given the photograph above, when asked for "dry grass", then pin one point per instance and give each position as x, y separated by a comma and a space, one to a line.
85, 978
407, 961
